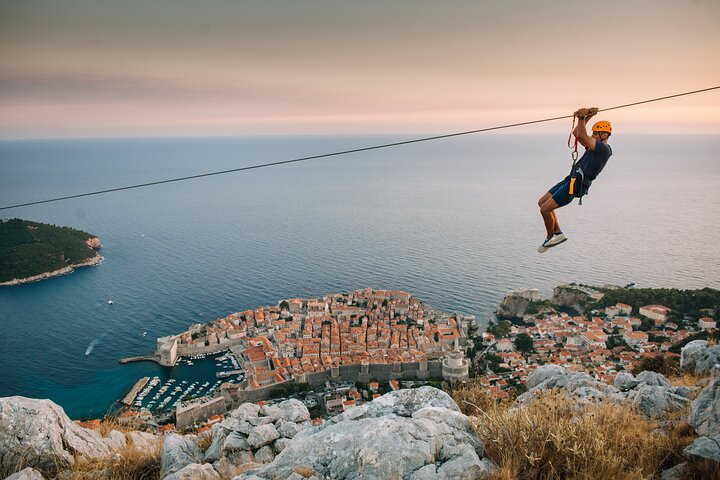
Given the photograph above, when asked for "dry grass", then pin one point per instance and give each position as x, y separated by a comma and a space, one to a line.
556, 438
129, 464
204, 442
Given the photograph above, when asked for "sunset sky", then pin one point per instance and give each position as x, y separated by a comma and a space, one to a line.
101, 68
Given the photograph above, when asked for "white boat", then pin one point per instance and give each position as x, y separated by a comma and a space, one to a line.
110, 302
144, 333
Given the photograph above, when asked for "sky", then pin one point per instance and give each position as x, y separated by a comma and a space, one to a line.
107, 68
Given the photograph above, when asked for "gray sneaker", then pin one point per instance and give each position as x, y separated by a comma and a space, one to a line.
556, 239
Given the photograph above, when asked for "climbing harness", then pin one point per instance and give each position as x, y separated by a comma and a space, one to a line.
577, 176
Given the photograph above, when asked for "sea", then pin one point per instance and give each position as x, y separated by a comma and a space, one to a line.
453, 221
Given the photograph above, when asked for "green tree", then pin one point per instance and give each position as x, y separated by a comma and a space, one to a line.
524, 343
501, 330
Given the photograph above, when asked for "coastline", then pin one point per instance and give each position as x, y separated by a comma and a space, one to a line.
56, 273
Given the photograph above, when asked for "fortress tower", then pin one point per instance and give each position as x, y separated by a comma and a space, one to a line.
455, 367
364, 375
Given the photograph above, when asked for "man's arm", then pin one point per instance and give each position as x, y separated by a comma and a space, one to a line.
580, 131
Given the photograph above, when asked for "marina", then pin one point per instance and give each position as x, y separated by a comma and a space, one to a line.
193, 378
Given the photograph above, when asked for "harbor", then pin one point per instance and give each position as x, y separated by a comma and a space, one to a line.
193, 378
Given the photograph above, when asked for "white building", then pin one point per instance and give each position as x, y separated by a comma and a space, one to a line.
658, 313
635, 338
706, 323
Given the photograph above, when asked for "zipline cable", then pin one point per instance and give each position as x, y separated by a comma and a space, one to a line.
345, 152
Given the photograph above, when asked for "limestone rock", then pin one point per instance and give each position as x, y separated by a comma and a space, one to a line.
265, 454
401, 402
625, 381
704, 448
657, 401
650, 392
26, 474
543, 373
437, 439
262, 435
653, 379
579, 385
142, 440
698, 357
289, 429
236, 425
245, 411
704, 414
678, 472
178, 452
38, 433
219, 434
465, 467
116, 441
257, 421
195, 471
281, 444
428, 472
235, 441
291, 411
682, 390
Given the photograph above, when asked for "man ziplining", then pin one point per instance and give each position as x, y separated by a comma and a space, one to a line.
575, 185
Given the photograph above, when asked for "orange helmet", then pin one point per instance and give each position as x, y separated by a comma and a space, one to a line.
602, 126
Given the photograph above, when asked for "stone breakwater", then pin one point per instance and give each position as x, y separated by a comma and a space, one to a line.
93, 242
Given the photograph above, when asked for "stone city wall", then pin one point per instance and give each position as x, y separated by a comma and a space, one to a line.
350, 373
189, 415
184, 349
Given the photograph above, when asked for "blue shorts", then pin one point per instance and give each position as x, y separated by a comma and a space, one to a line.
561, 192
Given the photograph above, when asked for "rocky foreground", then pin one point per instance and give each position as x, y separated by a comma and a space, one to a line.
410, 434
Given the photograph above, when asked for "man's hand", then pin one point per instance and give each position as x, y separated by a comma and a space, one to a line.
582, 112
586, 113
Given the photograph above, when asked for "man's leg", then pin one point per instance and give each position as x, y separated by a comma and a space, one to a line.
557, 228
547, 210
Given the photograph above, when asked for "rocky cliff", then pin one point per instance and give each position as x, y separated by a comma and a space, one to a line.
517, 303
571, 297
408, 434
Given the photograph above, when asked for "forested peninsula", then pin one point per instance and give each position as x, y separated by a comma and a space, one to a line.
33, 251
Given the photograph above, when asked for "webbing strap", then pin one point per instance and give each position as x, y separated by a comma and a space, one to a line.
571, 144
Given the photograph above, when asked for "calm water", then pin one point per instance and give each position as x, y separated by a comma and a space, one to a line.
454, 222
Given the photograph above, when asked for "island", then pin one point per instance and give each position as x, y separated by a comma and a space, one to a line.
33, 251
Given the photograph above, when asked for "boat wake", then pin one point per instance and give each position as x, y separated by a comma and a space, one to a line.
94, 342
90, 347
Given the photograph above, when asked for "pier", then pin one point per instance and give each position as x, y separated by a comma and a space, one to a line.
141, 358
130, 397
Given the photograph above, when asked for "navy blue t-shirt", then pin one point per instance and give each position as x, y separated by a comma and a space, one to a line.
593, 161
